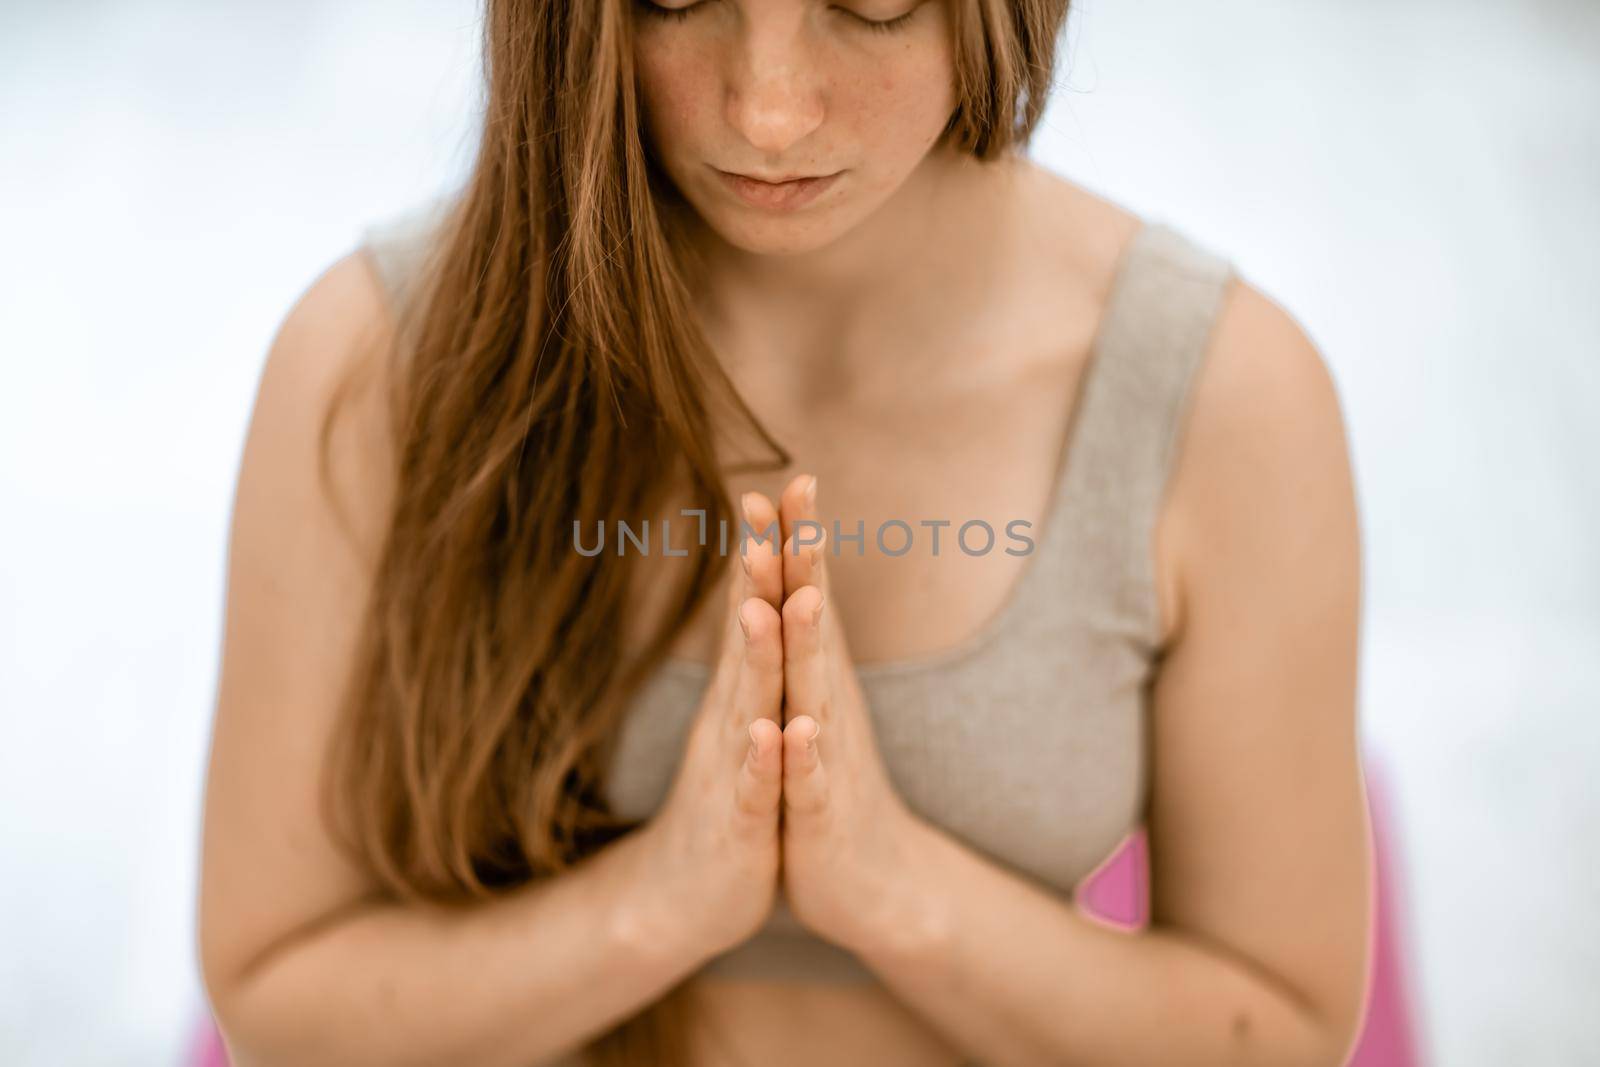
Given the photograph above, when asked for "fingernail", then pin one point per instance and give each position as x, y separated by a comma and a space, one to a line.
811, 493
811, 742
744, 508
742, 624
817, 612
755, 751
744, 561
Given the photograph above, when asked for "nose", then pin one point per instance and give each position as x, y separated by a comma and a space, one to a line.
775, 98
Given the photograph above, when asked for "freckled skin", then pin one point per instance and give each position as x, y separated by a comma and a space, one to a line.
791, 86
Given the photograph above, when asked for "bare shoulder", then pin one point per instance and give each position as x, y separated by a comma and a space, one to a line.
299, 571
1262, 466
331, 355
1263, 459
1086, 232
1071, 244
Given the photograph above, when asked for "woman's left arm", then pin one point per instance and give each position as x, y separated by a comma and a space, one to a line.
1256, 949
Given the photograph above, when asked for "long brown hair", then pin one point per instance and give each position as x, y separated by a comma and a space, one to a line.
553, 372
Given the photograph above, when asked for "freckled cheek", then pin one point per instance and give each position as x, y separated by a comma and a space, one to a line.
677, 87
899, 101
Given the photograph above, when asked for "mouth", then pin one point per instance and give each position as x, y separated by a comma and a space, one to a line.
779, 195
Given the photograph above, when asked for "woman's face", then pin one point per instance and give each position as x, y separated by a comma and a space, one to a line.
858, 90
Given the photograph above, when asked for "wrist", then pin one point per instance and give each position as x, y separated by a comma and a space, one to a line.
913, 920
645, 921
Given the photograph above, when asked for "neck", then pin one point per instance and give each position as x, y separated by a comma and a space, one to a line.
941, 231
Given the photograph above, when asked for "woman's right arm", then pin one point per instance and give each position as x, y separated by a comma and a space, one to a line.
303, 961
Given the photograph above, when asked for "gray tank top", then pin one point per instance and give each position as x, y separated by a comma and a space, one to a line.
1028, 741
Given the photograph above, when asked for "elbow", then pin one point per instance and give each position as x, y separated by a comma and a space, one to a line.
259, 1030
1339, 1017
1329, 1034
220, 980
237, 1015
1339, 1031
1333, 1009
224, 979
1329, 1046
255, 1029
1313, 1032
255, 1037
1308, 1042
1313, 1042
230, 1014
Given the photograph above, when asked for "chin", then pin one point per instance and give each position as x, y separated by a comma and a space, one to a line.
776, 237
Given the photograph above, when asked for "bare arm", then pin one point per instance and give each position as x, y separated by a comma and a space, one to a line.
1258, 938
303, 961
520, 981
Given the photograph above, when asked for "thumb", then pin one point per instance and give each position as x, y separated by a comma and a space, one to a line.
760, 784
805, 779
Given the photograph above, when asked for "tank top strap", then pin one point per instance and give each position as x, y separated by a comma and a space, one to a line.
1157, 324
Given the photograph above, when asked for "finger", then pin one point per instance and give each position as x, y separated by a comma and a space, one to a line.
765, 561
740, 587
792, 502
761, 515
803, 556
748, 574
797, 503
758, 684
805, 676
805, 779
760, 784
805, 544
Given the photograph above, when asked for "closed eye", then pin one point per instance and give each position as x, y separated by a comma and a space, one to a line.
669, 14
678, 14
881, 25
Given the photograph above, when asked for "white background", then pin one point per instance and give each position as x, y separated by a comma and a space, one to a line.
1417, 182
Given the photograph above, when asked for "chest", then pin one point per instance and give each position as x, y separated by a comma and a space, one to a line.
935, 501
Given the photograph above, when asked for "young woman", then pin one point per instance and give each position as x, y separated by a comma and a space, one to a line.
1060, 540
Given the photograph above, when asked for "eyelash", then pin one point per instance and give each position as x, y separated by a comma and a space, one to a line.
678, 14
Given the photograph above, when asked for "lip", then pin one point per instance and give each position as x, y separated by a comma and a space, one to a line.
777, 196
